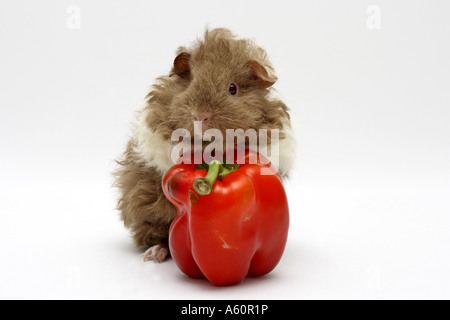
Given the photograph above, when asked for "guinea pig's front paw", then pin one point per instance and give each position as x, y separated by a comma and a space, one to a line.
156, 253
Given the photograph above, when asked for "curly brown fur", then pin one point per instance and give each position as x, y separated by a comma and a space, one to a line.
196, 88
143, 206
215, 62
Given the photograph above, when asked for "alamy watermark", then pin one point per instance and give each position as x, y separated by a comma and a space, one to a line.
236, 141
373, 21
73, 21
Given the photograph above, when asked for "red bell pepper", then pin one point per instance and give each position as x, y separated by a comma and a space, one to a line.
231, 221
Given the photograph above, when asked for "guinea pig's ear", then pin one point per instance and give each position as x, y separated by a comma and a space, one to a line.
260, 74
181, 65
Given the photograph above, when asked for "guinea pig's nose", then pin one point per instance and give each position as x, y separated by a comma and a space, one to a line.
201, 117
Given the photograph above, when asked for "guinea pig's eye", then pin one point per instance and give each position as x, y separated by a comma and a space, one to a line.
232, 89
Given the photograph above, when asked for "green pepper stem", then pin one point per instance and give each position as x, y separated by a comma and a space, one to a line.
204, 186
215, 169
226, 169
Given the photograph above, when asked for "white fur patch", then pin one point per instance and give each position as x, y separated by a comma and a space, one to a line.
287, 151
156, 152
152, 148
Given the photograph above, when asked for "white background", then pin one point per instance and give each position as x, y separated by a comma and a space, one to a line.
370, 194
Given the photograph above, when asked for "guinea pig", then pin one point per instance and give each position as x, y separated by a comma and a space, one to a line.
221, 81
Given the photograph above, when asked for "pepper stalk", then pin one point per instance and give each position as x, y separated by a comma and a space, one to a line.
216, 169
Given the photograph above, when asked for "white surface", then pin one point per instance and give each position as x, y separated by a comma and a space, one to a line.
369, 198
